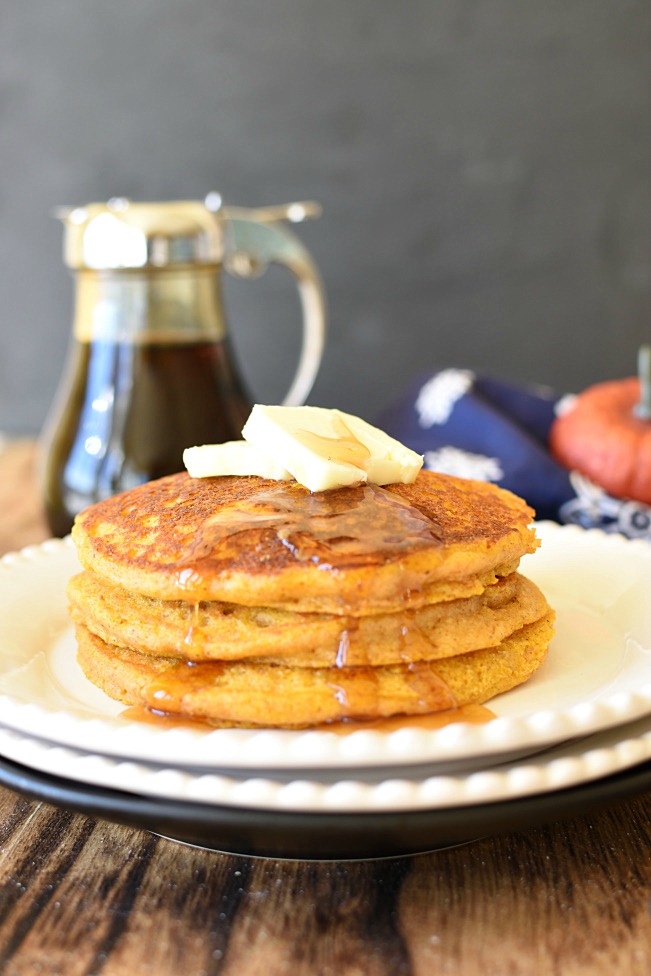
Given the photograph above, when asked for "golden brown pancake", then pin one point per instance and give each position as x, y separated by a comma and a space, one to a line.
250, 694
250, 602
262, 543
227, 632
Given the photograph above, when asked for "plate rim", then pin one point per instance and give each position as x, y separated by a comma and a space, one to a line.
310, 748
309, 836
561, 767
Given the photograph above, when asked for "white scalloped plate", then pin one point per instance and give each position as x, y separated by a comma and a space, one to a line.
597, 674
560, 768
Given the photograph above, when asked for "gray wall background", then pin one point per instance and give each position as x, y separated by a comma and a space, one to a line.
484, 168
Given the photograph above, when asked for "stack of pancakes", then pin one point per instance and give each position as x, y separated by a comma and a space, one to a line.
246, 601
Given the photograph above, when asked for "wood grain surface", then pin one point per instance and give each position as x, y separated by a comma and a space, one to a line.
80, 897
84, 897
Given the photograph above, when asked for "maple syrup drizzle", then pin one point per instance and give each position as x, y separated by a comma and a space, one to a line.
343, 648
164, 720
413, 643
167, 691
433, 692
364, 521
357, 693
195, 618
344, 446
475, 714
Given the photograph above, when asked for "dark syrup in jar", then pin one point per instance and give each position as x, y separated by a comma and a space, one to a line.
130, 411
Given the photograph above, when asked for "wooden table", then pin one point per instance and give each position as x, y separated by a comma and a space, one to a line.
81, 896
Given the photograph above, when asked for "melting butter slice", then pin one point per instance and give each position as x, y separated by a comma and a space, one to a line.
326, 449
233, 457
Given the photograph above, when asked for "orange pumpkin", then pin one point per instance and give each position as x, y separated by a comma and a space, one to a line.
601, 436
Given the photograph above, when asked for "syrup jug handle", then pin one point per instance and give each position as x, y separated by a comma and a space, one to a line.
255, 239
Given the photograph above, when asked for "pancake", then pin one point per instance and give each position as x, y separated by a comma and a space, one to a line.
250, 602
261, 543
257, 694
225, 631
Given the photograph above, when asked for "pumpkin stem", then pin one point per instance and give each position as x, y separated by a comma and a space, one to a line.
642, 409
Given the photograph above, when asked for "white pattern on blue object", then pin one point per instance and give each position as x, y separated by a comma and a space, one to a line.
565, 404
594, 508
436, 399
464, 464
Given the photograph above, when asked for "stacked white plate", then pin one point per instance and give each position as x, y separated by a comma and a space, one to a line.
583, 718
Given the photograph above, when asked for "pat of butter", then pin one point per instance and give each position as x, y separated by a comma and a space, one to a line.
326, 449
233, 457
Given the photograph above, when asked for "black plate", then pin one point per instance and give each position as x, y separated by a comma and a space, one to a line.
319, 836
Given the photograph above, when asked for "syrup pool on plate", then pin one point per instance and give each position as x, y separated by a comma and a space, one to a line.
474, 714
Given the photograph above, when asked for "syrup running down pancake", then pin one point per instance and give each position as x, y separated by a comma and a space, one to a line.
247, 601
254, 693
208, 631
258, 542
